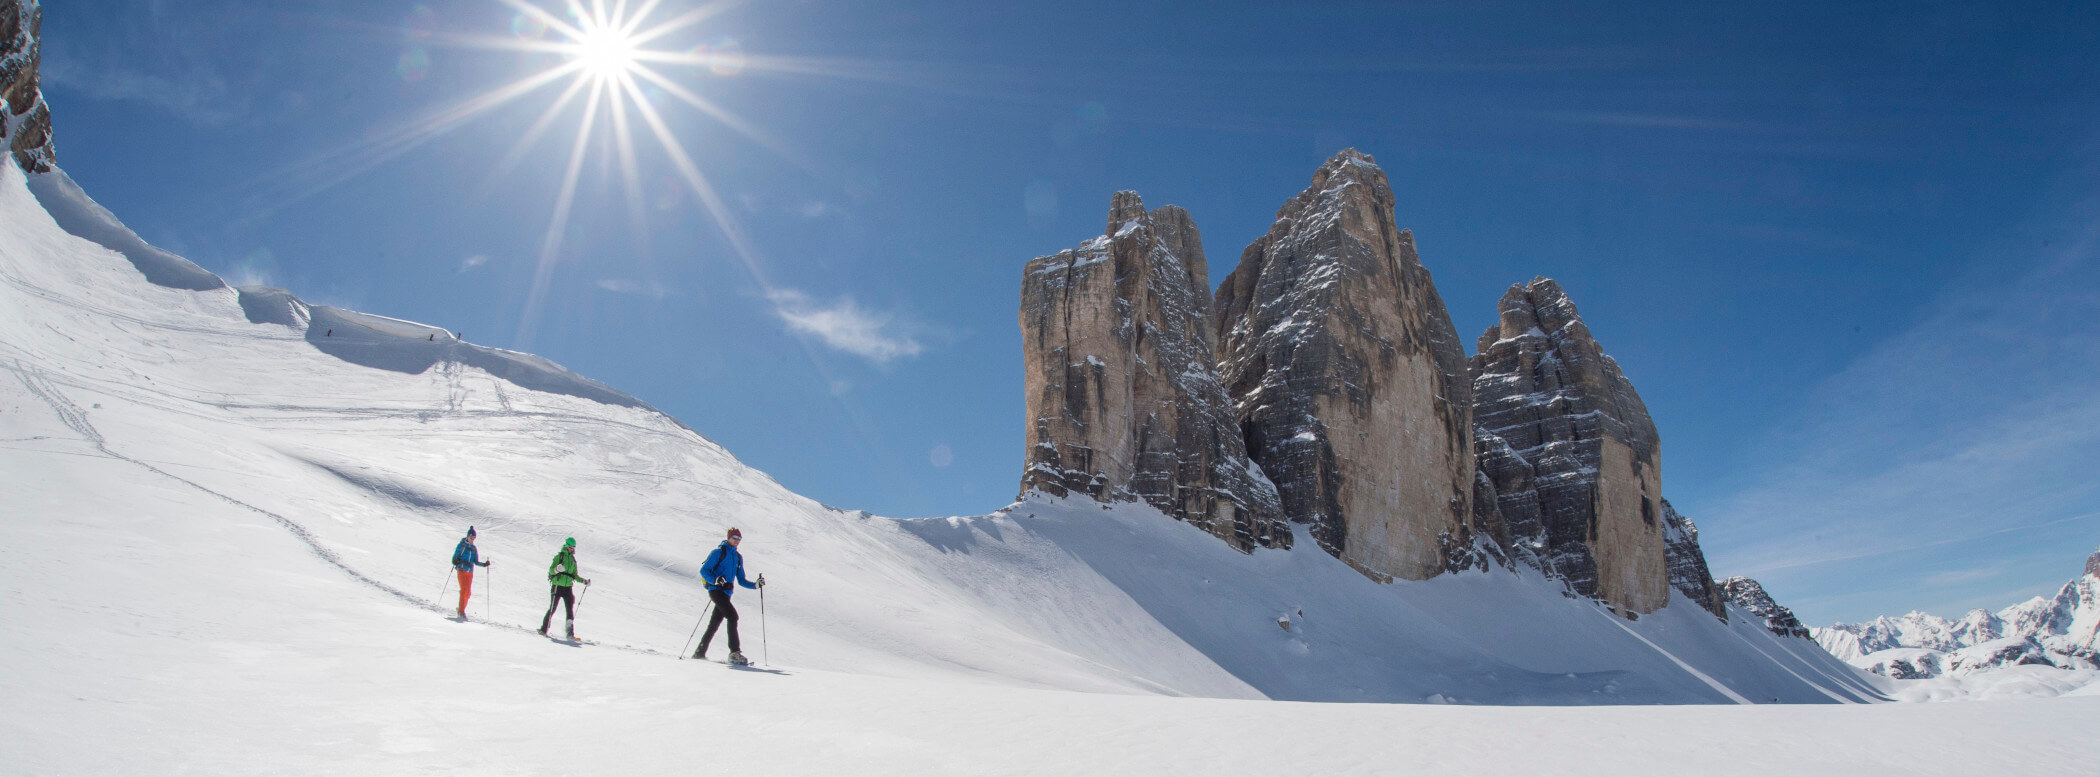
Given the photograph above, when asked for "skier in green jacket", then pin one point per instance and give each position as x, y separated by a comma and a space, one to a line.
562, 573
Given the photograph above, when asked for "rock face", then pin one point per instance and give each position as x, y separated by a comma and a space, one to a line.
25, 120
1348, 379
2061, 631
1747, 594
1574, 458
1338, 396
1124, 399
1687, 563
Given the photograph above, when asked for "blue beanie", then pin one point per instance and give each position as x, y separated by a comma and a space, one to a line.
470, 531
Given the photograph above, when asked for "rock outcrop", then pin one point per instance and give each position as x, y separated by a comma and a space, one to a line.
1123, 393
1574, 458
25, 120
1338, 396
1348, 379
1687, 563
1747, 594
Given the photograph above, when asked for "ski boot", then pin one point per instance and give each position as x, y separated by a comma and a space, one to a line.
738, 659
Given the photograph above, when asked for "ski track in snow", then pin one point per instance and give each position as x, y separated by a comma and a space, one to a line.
71, 415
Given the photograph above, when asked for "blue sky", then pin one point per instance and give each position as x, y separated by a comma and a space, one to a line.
1850, 256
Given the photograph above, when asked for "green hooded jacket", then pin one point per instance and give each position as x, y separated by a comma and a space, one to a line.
563, 570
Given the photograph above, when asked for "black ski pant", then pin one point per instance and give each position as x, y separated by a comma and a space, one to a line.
724, 611
561, 595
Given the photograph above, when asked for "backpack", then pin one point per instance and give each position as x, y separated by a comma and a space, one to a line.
459, 554
721, 569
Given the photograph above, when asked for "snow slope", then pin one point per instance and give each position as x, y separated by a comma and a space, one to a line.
225, 538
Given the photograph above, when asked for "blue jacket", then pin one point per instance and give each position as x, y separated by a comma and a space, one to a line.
724, 563
465, 557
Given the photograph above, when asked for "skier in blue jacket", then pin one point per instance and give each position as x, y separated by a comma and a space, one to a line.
723, 567
464, 558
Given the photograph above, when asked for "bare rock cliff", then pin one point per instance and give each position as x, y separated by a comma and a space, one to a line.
1574, 458
1747, 594
1349, 381
25, 121
1123, 395
1687, 563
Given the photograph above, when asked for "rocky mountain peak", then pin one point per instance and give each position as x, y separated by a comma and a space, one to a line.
1687, 563
1749, 595
1348, 378
25, 120
1574, 457
2062, 630
1124, 207
1123, 392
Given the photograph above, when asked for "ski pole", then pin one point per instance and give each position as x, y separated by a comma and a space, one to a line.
446, 587
696, 625
488, 603
763, 645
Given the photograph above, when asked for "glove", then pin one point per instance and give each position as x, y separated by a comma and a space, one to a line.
761, 580
586, 581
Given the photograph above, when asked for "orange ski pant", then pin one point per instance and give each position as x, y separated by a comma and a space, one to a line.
466, 587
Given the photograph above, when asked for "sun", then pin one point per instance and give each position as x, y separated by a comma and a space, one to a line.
605, 52
608, 57
616, 72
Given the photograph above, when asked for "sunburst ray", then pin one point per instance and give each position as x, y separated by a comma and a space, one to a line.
557, 227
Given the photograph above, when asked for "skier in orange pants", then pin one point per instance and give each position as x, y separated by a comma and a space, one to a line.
464, 558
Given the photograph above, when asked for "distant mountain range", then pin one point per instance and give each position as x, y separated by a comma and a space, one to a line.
2062, 631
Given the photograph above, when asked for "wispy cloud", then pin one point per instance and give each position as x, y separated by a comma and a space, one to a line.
472, 262
1970, 575
1972, 427
157, 55
846, 326
649, 289
815, 209
198, 97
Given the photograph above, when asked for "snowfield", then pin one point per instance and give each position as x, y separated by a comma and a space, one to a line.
228, 516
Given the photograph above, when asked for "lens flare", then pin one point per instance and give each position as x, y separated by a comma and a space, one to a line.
528, 26
413, 65
420, 23
726, 58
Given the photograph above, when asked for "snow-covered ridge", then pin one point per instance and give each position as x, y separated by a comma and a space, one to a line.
2059, 632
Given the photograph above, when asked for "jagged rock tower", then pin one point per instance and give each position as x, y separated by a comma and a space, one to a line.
1747, 594
1348, 379
1124, 400
1575, 459
1687, 563
25, 121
